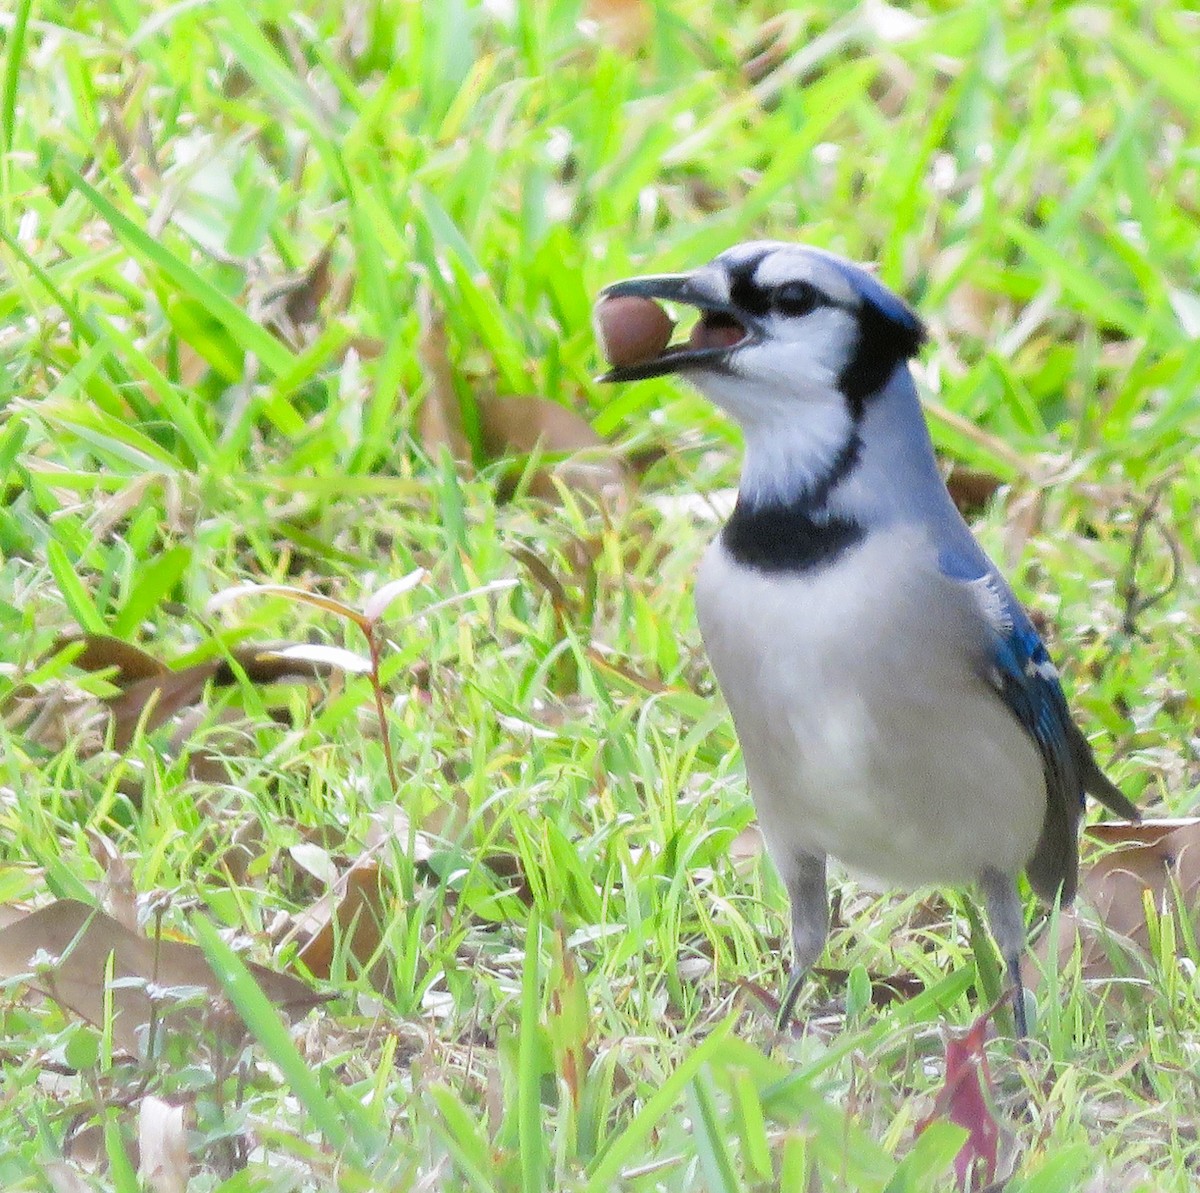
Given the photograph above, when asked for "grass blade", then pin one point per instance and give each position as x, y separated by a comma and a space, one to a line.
622, 1149
350, 1134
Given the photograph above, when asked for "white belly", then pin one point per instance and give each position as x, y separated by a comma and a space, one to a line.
867, 726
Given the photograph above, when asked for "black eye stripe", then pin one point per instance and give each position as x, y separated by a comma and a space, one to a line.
746, 294
791, 299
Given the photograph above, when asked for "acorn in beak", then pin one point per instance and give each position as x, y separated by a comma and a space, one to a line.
635, 332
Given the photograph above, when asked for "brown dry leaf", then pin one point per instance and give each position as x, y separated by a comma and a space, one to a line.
886, 988
56, 716
1158, 857
63, 949
512, 427
622, 24
100, 651
192, 366
359, 903
746, 849
64, 1179
1024, 516
150, 689
541, 572
1163, 862
774, 42
292, 307
297, 661
968, 309
450, 817
367, 347
971, 489
11, 913
118, 894
356, 910
164, 1164
646, 683
60, 713
206, 764
509, 868
83, 1144
154, 701
245, 844
305, 293
391, 824
148, 686
1139, 832
1098, 946
440, 421
522, 426
302, 596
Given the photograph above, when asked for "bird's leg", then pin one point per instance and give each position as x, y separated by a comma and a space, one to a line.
1006, 917
805, 881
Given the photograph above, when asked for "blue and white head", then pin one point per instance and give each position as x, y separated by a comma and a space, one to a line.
808, 353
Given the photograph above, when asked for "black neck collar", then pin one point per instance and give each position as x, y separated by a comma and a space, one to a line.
795, 534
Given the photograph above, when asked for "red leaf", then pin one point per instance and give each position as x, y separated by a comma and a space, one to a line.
963, 1099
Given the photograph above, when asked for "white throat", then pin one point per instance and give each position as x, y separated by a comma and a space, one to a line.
795, 452
783, 391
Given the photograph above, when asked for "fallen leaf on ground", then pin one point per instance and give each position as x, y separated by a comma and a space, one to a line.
118, 895
623, 24
98, 652
164, 1164
154, 701
748, 846
291, 307
774, 41
64, 1179
971, 489
964, 1099
577, 457
151, 692
359, 903
440, 420
63, 949
513, 427
886, 988
355, 910
1142, 832
1159, 858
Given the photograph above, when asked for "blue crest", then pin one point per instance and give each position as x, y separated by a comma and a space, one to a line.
876, 294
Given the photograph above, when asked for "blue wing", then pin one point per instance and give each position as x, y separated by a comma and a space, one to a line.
1018, 666
1020, 669
1028, 681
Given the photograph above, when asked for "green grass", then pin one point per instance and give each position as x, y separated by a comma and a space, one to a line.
566, 943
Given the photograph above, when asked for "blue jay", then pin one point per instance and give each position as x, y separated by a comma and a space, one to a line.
895, 706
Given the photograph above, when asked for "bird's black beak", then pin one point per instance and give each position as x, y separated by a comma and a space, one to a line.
718, 332
662, 287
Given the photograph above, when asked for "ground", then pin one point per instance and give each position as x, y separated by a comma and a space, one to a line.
300, 295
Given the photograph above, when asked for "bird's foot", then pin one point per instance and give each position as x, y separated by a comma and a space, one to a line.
791, 994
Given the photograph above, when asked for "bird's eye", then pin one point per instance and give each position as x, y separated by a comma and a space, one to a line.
795, 299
